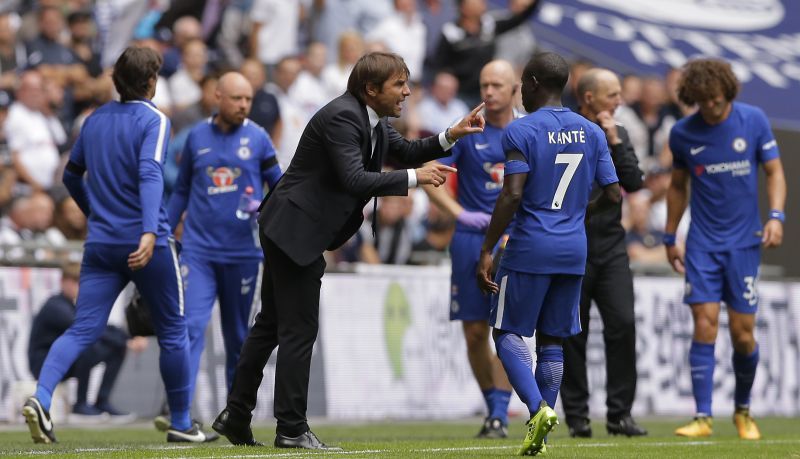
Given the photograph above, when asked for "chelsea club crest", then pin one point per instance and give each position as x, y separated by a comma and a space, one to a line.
244, 153
739, 145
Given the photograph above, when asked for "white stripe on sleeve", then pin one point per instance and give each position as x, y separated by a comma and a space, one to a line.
162, 129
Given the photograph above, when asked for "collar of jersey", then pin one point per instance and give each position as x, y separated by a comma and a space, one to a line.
141, 101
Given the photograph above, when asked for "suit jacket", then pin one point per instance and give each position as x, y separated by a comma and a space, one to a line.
604, 232
318, 203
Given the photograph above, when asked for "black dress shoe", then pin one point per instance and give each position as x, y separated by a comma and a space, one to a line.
307, 441
580, 428
238, 433
625, 426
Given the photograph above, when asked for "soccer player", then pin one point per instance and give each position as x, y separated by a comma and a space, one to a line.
480, 162
224, 155
121, 150
552, 157
608, 279
720, 148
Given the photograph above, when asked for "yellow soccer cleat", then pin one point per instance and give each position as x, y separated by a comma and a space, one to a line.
699, 427
746, 425
539, 426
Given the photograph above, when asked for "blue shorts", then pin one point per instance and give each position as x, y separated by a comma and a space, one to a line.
467, 302
730, 276
546, 303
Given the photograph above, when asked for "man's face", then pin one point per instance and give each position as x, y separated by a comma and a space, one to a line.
714, 109
388, 101
606, 97
51, 23
234, 104
497, 90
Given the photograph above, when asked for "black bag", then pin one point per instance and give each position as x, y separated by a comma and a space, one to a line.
137, 314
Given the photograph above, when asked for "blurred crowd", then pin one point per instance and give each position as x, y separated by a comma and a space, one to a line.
55, 59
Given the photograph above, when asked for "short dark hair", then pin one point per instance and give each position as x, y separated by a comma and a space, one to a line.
374, 68
134, 70
549, 69
702, 78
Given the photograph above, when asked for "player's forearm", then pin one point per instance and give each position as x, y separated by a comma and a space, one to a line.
175, 206
151, 193
776, 186
676, 205
504, 210
442, 199
74, 184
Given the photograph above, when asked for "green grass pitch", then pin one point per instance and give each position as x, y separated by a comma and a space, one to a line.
418, 440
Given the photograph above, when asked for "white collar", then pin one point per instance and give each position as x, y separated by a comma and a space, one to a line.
373, 117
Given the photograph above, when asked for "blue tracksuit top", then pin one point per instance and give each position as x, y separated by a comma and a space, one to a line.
121, 147
215, 169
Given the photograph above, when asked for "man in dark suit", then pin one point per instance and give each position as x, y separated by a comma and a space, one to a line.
608, 280
317, 206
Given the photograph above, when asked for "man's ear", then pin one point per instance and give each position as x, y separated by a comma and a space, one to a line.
586, 98
371, 90
514, 89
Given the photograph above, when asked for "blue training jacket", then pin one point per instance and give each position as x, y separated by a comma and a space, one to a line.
122, 148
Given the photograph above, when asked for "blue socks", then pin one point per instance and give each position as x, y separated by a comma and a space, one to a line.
701, 361
497, 402
63, 353
176, 373
518, 363
744, 367
549, 371
44, 396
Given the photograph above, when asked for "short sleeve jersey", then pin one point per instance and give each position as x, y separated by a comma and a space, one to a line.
565, 153
723, 160
480, 161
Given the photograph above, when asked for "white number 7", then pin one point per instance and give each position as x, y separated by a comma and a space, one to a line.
572, 160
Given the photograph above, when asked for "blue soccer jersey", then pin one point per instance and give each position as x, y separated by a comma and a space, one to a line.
723, 162
565, 153
480, 161
122, 147
215, 169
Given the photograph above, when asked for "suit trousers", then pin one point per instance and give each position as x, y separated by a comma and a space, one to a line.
289, 320
610, 285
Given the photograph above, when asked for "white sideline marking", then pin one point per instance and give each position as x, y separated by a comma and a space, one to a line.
300, 453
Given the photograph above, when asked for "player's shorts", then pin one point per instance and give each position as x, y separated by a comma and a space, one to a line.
546, 303
467, 302
730, 276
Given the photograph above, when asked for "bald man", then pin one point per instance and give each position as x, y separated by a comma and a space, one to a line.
608, 280
225, 156
480, 161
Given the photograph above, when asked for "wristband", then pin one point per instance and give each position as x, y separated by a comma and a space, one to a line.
448, 137
668, 239
777, 215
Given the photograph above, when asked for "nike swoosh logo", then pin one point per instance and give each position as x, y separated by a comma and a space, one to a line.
47, 423
203, 151
481, 146
199, 437
696, 150
248, 280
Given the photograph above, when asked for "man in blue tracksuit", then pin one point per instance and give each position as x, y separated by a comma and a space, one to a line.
223, 156
121, 150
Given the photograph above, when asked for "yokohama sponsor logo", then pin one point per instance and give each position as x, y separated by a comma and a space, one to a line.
736, 168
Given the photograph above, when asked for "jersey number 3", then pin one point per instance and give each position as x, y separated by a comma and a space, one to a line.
572, 160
